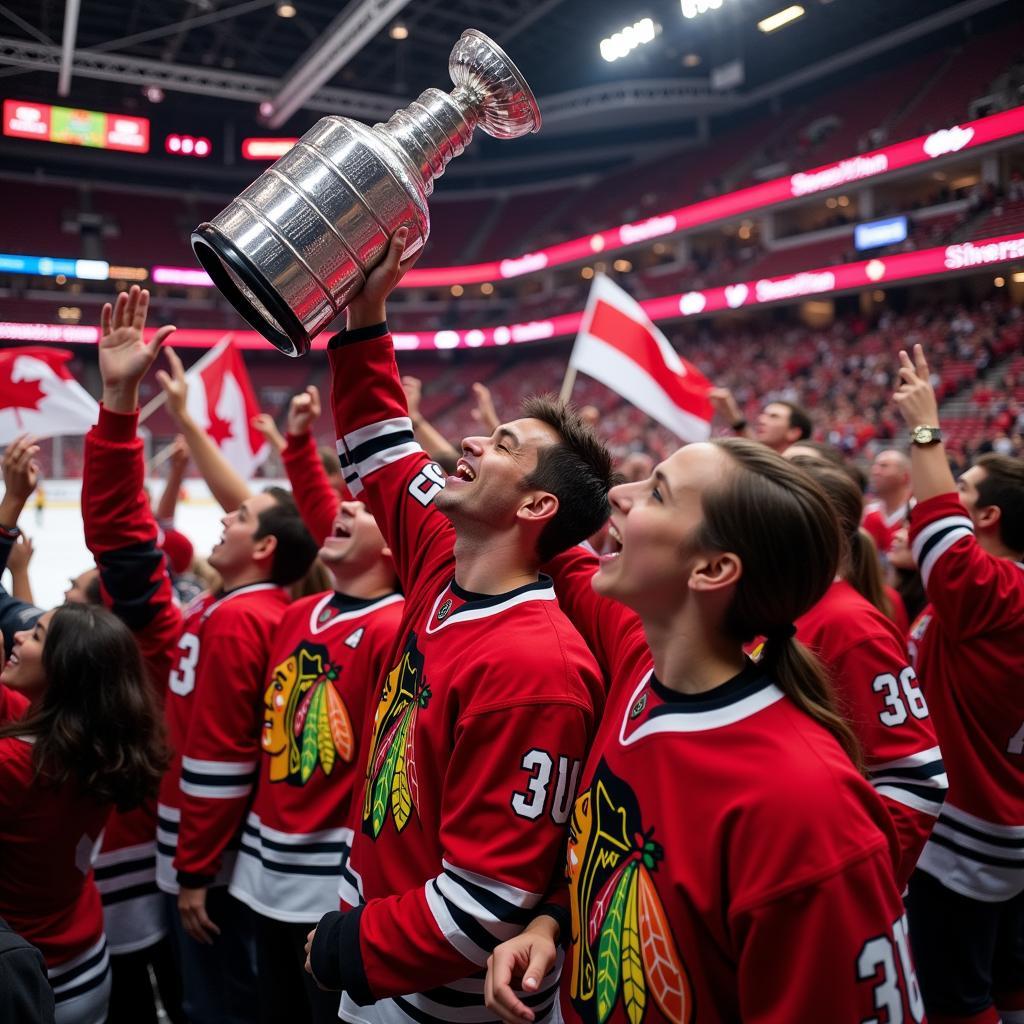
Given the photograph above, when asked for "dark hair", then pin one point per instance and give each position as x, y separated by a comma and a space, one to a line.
98, 723
92, 591
780, 523
858, 556
577, 470
329, 459
1003, 487
798, 417
296, 548
825, 452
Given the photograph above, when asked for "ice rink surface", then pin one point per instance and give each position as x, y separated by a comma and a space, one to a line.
60, 550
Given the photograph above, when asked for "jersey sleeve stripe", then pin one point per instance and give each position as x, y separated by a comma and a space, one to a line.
214, 792
471, 949
936, 539
971, 849
481, 901
196, 766
931, 806
509, 893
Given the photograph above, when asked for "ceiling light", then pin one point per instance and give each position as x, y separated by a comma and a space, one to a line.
999, 282
1019, 278
691, 60
587, 273
623, 266
398, 31
286, 9
692, 8
632, 36
457, 290
153, 93
487, 288
781, 18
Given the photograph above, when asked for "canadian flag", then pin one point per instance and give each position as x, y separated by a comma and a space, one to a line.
619, 345
39, 396
221, 401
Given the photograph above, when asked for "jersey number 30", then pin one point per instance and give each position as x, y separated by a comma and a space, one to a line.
540, 764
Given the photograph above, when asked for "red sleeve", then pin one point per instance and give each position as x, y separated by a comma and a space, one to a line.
854, 954
885, 705
121, 533
317, 500
611, 630
221, 752
503, 851
382, 463
971, 591
12, 704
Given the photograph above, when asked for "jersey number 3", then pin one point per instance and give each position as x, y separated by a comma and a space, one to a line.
183, 678
540, 765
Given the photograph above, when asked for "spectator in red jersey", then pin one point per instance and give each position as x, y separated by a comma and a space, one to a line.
852, 631
890, 484
704, 756
966, 900
779, 424
79, 735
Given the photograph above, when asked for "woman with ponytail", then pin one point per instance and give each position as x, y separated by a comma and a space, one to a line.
79, 735
726, 859
866, 658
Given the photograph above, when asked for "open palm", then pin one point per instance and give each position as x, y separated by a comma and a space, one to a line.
124, 354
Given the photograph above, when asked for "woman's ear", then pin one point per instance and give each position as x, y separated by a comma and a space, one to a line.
715, 571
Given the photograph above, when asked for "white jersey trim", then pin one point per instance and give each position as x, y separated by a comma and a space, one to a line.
316, 628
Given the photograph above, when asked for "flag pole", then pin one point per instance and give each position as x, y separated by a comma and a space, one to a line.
567, 383
151, 407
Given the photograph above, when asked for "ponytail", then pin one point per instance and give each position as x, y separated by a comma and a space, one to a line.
781, 524
802, 678
865, 573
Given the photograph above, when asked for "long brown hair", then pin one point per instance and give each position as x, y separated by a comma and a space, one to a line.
781, 524
97, 724
859, 564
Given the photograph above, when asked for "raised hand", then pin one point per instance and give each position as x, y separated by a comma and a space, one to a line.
724, 403
175, 386
21, 472
179, 455
485, 414
303, 410
368, 307
265, 424
413, 388
915, 396
20, 555
124, 354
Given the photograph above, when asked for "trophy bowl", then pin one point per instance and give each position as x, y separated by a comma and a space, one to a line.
293, 250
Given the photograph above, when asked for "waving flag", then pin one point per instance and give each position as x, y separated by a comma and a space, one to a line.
39, 396
619, 345
221, 400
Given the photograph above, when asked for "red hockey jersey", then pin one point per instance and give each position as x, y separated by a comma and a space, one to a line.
48, 836
479, 732
214, 715
881, 699
968, 646
883, 525
329, 652
124, 539
726, 862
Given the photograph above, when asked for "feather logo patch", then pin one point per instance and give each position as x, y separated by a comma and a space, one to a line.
391, 781
624, 953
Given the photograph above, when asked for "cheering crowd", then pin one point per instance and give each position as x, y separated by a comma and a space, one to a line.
532, 737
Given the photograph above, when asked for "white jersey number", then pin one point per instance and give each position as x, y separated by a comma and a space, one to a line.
426, 484
878, 954
896, 703
1016, 744
183, 678
540, 765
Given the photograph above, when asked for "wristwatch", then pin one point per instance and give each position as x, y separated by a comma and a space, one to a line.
925, 435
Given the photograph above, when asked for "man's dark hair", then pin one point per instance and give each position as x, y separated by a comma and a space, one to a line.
329, 459
1003, 487
92, 591
798, 417
577, 470
295, 549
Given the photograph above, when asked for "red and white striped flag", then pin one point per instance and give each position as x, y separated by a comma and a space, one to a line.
39, 396
221, 400
620, 346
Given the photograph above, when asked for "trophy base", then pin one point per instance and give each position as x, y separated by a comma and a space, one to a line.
241, 282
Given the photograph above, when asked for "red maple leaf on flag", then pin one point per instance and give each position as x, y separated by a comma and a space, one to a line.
219, 430
18, 394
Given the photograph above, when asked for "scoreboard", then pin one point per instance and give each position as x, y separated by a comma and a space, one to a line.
46, 123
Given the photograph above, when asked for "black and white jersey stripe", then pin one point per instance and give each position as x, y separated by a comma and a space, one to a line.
217, 780
936, 539
289, 876
376, 445
918, 781
974, 857
82, 984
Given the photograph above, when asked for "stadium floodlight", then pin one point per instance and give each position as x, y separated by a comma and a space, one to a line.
632, 36
781, 18
694, 8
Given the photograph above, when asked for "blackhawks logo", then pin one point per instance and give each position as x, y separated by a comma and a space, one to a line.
305, 720
391, 770
623, 949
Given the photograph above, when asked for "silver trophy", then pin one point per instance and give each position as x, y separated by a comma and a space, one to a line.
295, 247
